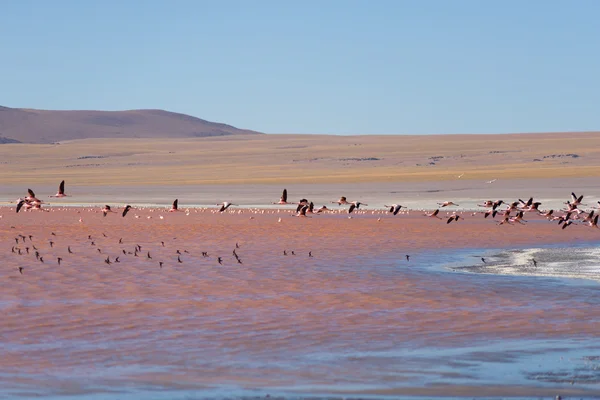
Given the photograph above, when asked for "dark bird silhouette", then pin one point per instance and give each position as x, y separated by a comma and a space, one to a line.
69, 250
149, 257
107, 261
21, 270
61, 190
224, 206
51, 243
407, 257
220, 260
453, 218
355, 205
59, 260
310, 254
160, 264
283, 199
569, 222
126, 210
301, 210
534, 262
179, 260
106, 209
394, 208
433, 214
483, 259
117, 260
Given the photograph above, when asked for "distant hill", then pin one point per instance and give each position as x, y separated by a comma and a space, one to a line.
46, 126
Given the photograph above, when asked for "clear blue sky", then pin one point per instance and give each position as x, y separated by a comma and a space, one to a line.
342, 67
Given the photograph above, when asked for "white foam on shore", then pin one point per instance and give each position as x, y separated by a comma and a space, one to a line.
568, 262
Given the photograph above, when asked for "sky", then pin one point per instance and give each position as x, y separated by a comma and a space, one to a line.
322, 66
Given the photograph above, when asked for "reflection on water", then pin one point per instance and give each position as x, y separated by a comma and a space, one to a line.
355, 319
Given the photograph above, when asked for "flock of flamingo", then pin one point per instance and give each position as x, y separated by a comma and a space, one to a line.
571, 213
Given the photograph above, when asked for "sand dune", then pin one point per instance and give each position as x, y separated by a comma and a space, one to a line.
309, 159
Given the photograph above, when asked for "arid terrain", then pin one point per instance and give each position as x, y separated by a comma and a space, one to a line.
309, 159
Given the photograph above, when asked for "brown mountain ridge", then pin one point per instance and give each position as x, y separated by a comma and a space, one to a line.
19, 125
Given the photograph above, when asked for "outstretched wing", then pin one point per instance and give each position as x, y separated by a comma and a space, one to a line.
352, 207
175, 204
284, 196
20, 205
61, 187
126, 210
30, 192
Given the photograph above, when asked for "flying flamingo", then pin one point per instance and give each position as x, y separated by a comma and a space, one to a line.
224, 206
61, 190
447, 203
283, 199
454, 217
355, 204
433, 214
106, 209
341, 201
321, 209
302, 211
394, 208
